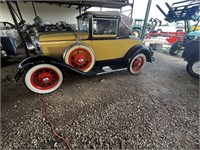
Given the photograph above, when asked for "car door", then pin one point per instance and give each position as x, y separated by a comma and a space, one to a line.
104, 35
108, 41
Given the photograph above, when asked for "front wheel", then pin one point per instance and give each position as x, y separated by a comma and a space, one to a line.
137, 63
43, 78
193, 68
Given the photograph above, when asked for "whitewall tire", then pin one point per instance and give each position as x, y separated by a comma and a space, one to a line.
137, 64
43, 78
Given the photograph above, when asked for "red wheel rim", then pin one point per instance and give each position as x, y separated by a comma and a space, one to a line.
44, 78
80, 59
138, 64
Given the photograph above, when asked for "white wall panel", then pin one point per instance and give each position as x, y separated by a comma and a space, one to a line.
51, 13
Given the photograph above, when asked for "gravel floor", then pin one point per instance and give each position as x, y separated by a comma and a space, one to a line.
157, 109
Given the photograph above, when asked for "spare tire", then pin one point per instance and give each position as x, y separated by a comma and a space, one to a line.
80, 56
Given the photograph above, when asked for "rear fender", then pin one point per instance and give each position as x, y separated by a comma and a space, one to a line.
136, 50
194, 56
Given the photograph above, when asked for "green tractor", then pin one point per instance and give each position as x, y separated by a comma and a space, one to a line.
189, 36
137, 27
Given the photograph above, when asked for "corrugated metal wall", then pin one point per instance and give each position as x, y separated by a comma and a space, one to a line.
51, 13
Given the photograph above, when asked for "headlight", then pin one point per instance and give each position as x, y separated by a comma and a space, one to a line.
30, 46
34, 47
36, 43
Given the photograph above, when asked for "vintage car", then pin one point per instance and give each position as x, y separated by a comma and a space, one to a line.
103, 44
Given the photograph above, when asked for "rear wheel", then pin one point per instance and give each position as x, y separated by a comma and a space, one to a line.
43, 78
193, 68
175, 48
137, 64
137, 33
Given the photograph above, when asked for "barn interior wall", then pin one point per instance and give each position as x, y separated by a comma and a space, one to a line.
50, 13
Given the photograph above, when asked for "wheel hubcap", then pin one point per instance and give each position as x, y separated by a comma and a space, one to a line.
81, 60
135, 34
196, 67
46, 80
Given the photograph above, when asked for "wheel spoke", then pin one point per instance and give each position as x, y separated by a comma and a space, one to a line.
80, 59
44, 78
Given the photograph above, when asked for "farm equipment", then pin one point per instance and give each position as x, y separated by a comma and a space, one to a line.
155, 22
137, 27
186, 11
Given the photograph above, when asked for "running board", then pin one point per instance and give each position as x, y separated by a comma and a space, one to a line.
107, 69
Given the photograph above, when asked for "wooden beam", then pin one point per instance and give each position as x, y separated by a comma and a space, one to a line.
17, 26
34, 9
19, 12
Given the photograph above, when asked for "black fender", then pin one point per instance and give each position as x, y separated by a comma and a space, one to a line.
31, 61
136, 50
191, 57
191, 50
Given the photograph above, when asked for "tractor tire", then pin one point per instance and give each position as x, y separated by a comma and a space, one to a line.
193, 68
137, 33
175, 48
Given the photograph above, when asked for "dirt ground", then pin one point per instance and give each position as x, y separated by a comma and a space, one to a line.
157, 109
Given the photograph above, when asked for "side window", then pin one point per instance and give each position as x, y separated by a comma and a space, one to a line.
104, 26
124, 31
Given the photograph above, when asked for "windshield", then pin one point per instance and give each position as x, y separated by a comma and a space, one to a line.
83, 24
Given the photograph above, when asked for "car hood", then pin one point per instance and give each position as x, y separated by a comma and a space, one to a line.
63, 36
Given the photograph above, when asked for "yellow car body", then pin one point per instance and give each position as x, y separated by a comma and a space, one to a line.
54, 45
103, 44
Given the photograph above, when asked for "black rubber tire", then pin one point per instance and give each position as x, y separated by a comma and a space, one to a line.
190, 70
175, 48
138, 32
